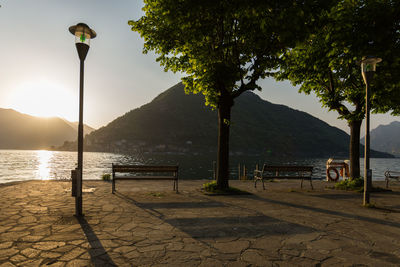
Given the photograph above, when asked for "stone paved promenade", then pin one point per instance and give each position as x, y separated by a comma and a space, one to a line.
146, 224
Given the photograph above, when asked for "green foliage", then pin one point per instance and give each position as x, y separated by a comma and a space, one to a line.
157, 194
106, 177
328, 62
370, 206
356, 184
221, 46
211, 187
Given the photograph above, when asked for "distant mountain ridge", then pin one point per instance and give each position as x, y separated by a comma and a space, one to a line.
86, 128
175, 122
22, 131
386, 138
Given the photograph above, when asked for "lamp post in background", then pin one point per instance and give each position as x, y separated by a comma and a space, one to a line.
368, 67
83, 34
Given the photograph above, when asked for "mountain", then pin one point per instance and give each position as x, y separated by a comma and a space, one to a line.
386, 138
22, 131
175, 122
86, 128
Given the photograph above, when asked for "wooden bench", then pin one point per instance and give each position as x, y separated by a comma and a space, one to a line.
271, 172
147, 173
391, 175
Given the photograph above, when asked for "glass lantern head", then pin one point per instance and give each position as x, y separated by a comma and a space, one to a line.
369, 63
82, 33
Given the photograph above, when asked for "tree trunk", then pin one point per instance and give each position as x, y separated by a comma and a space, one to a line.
355, 148
224, 118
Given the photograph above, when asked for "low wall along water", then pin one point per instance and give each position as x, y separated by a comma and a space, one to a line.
19, 165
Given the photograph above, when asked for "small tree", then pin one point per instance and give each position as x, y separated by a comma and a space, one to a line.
223, 47
328, 63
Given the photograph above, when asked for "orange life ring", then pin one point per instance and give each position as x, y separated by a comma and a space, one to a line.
329, 174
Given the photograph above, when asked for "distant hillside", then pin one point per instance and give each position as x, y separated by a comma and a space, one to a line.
86, 129
22, 131
386, 138
178, 123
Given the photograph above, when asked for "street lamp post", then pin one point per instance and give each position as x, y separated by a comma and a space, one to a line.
368, 67
83, 34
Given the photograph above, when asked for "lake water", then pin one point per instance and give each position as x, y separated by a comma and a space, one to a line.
19, 165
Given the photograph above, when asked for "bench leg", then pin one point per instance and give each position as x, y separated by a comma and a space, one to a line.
113, 186
177, 186
258, 179
387, 182
311, 184
301, 186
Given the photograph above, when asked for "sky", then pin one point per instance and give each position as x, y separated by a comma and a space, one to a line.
39, 64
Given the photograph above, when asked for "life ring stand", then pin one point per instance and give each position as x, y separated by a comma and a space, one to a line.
329, 174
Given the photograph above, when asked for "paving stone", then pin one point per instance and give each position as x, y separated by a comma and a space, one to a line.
151, 248
31, 238
31, 263
30, 252
8, 252
302, 238
58, 264
232, 247
4, 245
324, 244
18, 258
64, 249
73, 254
27, 219
210, 263
124, 249
7, 264
78, 263
253, 257
85, 256
3, 229
109, 243
48, 245
17, 229
12, 236
50, 255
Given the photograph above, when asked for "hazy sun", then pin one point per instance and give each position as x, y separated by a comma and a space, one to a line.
44, 99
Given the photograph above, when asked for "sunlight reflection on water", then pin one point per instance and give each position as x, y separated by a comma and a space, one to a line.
43, 172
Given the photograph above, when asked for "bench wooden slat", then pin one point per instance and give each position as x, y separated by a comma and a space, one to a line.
151, 170
288, 168
287, 177
144, 168
273, 171
145, 177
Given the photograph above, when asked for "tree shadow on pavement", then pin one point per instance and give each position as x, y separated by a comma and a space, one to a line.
327, 211
201, 226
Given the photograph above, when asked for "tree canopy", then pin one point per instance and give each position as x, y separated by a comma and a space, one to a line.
223, 48
229, 41
328, 62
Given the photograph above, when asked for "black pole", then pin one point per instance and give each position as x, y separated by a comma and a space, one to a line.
82, 34
78, 199
82, 52
367, 171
